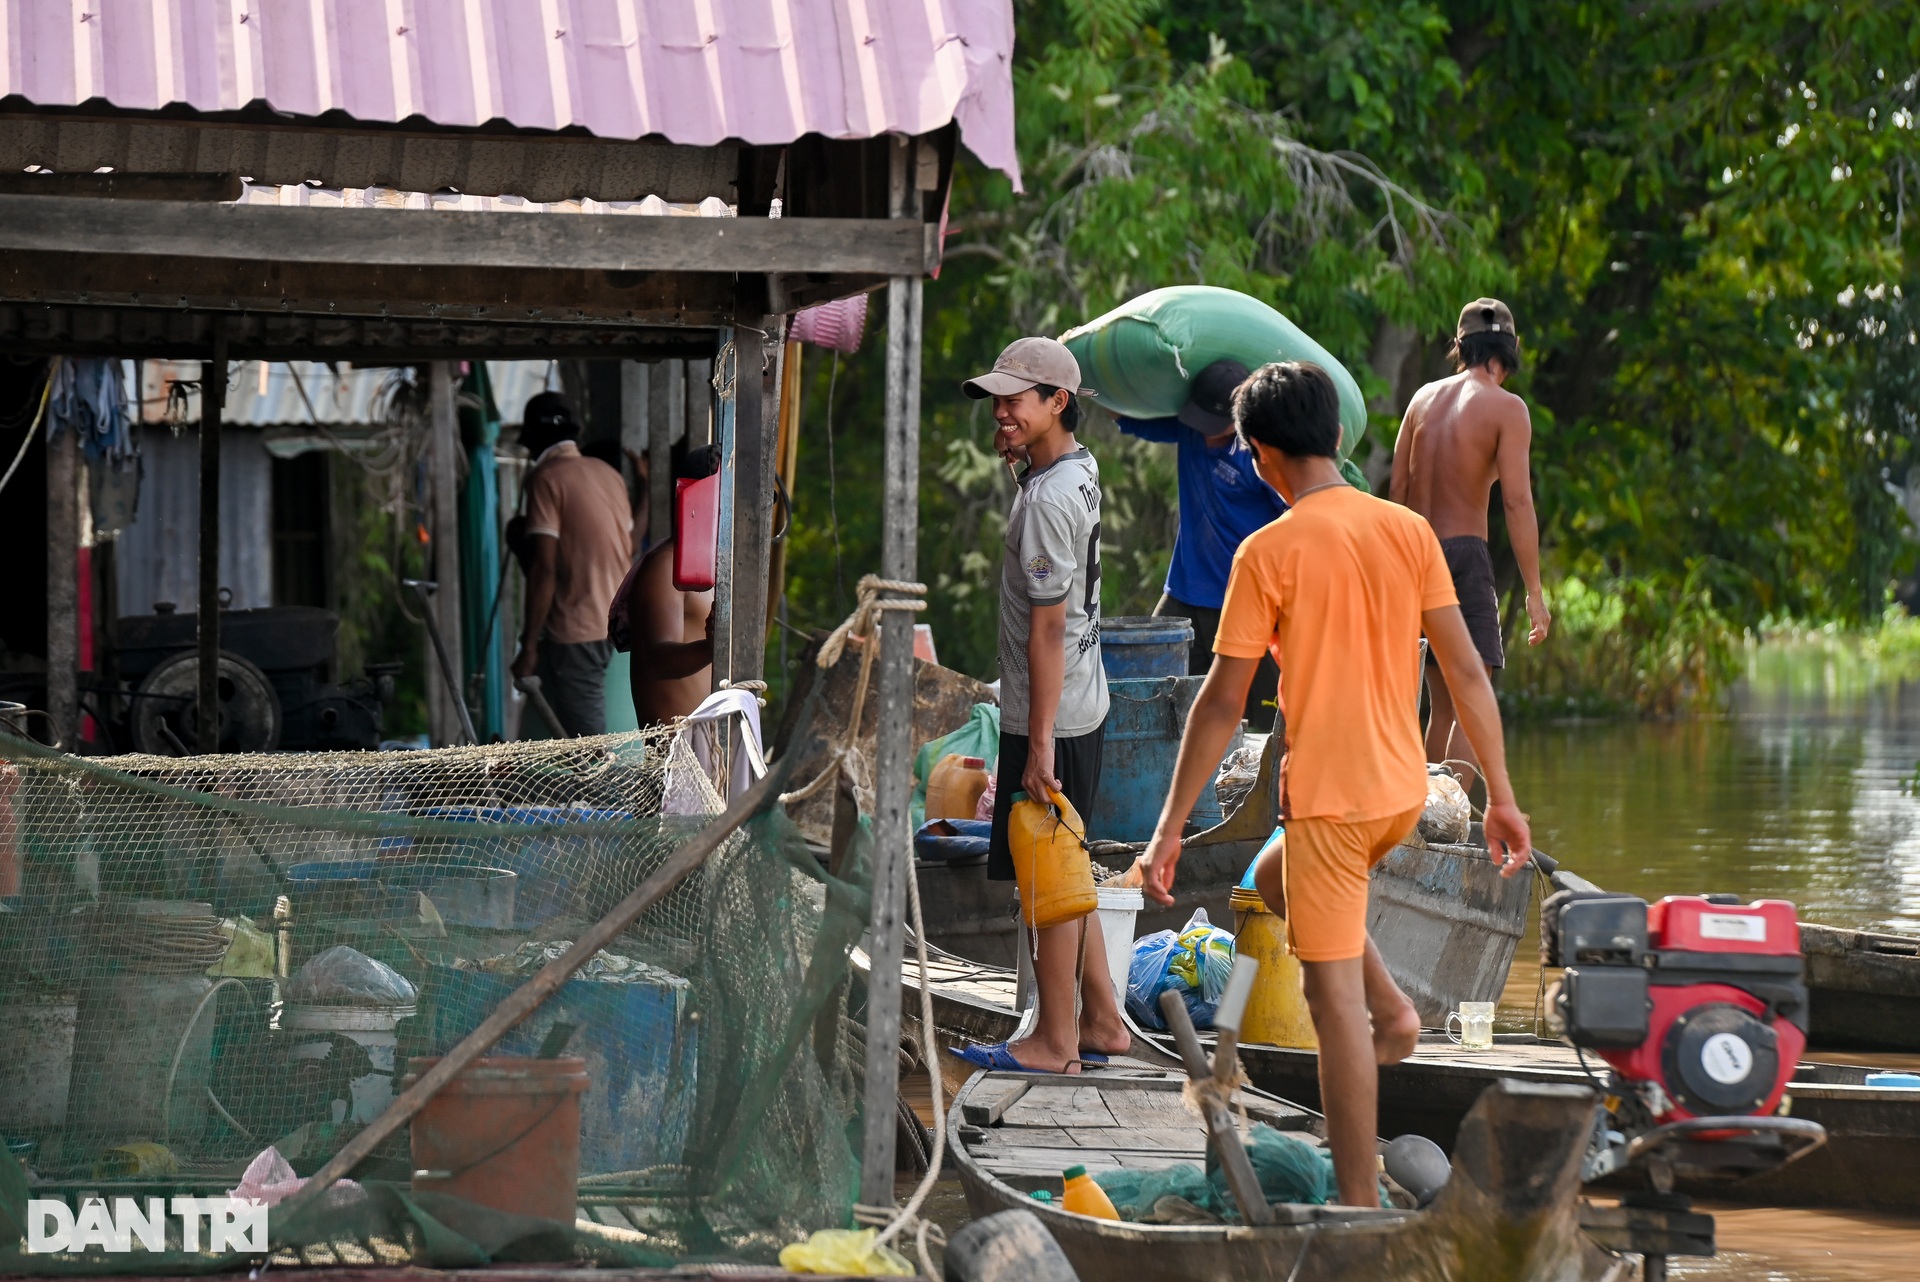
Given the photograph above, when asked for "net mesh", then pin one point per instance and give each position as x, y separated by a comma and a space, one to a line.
206, 956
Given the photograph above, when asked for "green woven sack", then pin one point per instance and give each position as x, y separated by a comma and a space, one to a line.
1141, 356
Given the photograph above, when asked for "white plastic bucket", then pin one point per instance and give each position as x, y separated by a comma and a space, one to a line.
1119, 906
372, 1027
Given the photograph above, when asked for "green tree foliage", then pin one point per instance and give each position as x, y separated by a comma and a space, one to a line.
1702, 214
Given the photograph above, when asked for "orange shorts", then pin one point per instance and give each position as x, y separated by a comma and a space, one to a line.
1327, 863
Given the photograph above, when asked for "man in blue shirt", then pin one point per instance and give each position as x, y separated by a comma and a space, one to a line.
1222, 501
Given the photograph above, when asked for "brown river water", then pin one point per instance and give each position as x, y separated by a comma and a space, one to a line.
1799, 792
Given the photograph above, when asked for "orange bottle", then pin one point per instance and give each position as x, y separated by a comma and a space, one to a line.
1084, 1197
954, 787
1050, 861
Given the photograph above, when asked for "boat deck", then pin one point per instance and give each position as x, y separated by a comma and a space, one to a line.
1022, 1127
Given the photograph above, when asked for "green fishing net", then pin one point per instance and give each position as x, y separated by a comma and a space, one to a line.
1290, 1170
202, 958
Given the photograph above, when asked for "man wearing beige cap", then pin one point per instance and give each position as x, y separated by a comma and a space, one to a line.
1460, 435
1053, 690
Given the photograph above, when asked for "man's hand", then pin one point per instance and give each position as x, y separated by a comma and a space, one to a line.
1038, 780
526, 660
1508, 839
1163, 857
1538, 616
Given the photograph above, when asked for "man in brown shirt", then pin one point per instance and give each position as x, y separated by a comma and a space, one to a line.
1460, 435
579, 538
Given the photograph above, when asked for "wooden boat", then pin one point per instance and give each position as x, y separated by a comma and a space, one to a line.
1447, 925
1445, 920
1510, 1211
1871, 1158
1865, 988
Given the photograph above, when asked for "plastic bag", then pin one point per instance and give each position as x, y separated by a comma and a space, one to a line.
979, 737
343, 976
984, 811
846, 1252
1448, 818
1204, 959
1196, 963
1239, 772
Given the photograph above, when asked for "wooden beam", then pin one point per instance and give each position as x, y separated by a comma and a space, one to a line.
124, 186
443, 468
151, 332
63, 585
755, 429
213, 397
270, 148
893, 744
466, 239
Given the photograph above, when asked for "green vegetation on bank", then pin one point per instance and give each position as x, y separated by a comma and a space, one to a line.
1703, 216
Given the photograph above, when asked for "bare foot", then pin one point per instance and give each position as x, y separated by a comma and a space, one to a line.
1395, 1036
1108, 1038
1037, 1058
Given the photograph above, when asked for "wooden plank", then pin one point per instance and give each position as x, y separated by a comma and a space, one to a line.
124, 186
1051, 1105
468, 239
987, 1103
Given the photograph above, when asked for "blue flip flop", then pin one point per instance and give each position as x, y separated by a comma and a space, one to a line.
1094, 1057
997, 1059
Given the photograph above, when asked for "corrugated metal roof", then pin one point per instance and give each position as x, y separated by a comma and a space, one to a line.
695, 72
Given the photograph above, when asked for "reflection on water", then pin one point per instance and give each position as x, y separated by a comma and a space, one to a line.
1794, 795
1798, 793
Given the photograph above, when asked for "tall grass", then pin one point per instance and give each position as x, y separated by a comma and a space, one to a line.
1829, 660
1623, 647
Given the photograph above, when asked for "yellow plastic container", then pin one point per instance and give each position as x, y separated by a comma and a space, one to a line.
954, 787
1277, 1009
1084, 1197
1050, 861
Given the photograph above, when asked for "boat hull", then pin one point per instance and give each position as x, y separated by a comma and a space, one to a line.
1510, 1211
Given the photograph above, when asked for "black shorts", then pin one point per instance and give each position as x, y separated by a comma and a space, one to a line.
1076, 764
1471, 565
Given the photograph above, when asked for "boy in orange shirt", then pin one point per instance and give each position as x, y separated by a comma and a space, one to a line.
1338, 590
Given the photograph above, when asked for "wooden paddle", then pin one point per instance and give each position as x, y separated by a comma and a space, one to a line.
1241, 1180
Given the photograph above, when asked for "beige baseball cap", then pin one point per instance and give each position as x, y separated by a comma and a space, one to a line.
1026, 363
1484, 315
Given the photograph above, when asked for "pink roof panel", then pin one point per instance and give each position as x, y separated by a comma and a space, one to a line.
695, 72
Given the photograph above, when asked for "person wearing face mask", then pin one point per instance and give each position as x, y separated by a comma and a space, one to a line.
1222, 501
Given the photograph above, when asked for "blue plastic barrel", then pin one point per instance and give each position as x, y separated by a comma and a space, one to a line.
1137, 646
1144, 722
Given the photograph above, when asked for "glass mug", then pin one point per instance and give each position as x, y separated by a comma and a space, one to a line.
1476, 1026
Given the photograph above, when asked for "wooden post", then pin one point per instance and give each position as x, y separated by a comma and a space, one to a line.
725, 416
756, 419
443, 455
786, 467
666, 409
63, 587
213, 399
893, 748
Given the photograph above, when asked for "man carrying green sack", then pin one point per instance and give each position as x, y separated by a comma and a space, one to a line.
1222, 501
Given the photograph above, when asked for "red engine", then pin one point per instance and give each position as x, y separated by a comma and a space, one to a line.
1698, 1002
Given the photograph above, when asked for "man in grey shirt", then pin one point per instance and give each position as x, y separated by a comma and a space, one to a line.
1053, 691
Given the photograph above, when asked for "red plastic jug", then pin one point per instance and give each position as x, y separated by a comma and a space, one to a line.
696, 532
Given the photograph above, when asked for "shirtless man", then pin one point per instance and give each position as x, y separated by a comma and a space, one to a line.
1461, 435
669, 631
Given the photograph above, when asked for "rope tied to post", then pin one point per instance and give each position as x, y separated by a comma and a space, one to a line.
902, 595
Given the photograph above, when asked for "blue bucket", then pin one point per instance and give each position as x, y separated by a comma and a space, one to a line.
1144, 722
1134, 647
